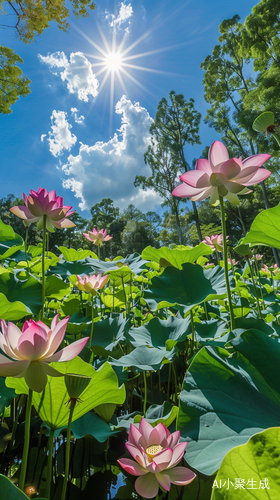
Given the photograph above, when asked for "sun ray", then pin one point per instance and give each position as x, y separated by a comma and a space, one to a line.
134, 80
89, 40
112, 98
134, 44
122, 82
105, 78
150, 70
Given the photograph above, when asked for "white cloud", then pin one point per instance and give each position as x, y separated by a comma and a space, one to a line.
77, 73
77, 119
108, 169
125, 13
43, 137
55, 60
60, 137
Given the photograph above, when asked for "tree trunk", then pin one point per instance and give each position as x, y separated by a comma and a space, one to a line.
274, 250
178, 225
197, 221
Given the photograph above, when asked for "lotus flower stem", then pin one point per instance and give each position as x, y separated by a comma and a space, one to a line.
168, 383
255, 288
260, 284
145, 393
43, 265
98, 251
92, 322
49, 477
193, 332
232, 322
26, 441
175, 382
206, 313
67, 452
25, 247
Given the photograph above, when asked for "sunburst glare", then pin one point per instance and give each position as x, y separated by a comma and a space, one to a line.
113, 60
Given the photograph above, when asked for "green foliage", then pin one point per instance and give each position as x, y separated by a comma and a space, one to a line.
30, 20
265, 229
257, 464
228, 398
12, 82
51, 404
176, 124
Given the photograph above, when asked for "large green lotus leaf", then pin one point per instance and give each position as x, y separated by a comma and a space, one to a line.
92, 424
157, 332
6, 395
265, 229
216, 276
175, 257
72, 255
10, 242
185, 287
111, 300
51, 404
12, 311
256, 464
144, 358
110, 331
214, 332
226, 398
263, 121
156, 414
28, 291
56, 288
9, 491
66, 269
133, 261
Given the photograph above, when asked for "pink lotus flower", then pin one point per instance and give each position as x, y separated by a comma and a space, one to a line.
33, 349
157, 452
91, 283
222, 176
215, 242
98, 237
41, 203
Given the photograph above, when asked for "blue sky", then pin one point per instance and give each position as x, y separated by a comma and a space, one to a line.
72, 133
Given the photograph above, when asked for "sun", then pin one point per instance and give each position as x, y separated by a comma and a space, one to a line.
113, 61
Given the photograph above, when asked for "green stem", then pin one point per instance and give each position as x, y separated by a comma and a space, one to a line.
226, 262
49, 477
43, 265
92, 323
175, 382
206, 312
26, 441
145, 393
98, 251
67, 453
82, 302
255, 288
168, 383
260, 284
193, 332
25, 247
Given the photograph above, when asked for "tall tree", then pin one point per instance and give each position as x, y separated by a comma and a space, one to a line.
103, 214
176, 124
226, 87
29, 18
12, 82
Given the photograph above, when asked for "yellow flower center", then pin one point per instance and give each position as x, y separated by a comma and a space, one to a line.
153, 450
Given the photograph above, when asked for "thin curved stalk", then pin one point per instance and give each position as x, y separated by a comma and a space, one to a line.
43, 265
145, 393
255, 288
26, 441
232, 322
25, 248
49, 477
67, 453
